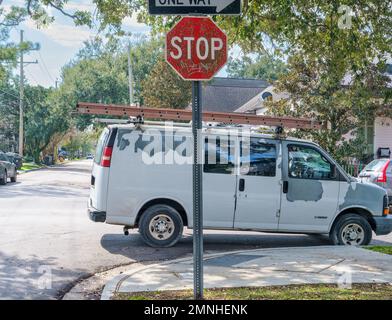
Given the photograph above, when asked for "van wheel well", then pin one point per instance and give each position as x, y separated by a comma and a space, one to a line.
362, 212
174, 204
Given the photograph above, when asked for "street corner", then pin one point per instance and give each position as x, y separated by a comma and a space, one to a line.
340, 266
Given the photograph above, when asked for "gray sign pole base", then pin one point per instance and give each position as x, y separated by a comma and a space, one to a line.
197, 191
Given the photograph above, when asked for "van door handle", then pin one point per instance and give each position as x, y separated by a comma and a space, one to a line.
242, 185
285, 186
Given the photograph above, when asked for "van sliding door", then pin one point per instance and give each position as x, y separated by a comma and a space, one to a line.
219, 180
259, 187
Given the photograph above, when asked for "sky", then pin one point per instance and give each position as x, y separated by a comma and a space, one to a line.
59, 42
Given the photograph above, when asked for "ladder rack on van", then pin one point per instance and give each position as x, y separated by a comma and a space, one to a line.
186, 115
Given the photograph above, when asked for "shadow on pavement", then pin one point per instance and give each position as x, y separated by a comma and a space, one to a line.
133, 247
33, 278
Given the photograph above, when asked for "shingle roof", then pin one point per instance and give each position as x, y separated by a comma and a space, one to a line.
228, 94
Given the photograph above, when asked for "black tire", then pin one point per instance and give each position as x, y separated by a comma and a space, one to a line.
339, 234
166, 216
14, 178
3, 180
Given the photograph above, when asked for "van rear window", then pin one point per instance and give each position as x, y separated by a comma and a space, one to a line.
100, 145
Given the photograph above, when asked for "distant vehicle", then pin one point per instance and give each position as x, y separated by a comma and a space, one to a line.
265, 183
7, 169
62, 155
379, 172
89, 156
15, 158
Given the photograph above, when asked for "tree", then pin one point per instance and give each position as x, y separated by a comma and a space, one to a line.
324, 40
343, 102
41, 121
163, 88
260, 67
8, 50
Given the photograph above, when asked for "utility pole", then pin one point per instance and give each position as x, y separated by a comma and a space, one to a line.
21, 93
130, 75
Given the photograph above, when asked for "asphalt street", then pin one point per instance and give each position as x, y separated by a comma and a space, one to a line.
47, 242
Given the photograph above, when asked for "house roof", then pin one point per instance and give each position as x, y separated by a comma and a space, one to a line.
228, 94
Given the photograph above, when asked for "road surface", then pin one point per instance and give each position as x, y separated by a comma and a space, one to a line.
47, 242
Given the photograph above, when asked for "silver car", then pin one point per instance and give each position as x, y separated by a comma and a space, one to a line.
379, 171
7, 169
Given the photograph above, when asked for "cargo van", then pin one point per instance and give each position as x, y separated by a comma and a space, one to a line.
142, 178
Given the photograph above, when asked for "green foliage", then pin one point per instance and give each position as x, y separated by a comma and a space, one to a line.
260, 67
323, 91
8, 50
80, 143
163, 88
41, 120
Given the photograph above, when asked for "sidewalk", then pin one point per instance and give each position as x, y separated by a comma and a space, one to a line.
261, 267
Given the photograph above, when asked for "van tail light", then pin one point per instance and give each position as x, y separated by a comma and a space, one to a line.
386, 209
382, 177
106, 156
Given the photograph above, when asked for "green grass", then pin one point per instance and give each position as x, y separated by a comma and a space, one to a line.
371, 291
29, 166
382, 249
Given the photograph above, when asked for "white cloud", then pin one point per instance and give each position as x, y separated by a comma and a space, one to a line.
132, 22
65, 35
80, 6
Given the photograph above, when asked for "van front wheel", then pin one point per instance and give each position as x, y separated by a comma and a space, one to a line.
161, 226
351, 229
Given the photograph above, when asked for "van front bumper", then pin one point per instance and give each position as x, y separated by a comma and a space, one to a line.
95, 215
383, 225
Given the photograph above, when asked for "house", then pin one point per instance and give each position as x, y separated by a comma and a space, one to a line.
377, 133
229, 94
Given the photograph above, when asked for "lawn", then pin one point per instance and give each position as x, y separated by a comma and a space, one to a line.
30, 165
382, 249
370, 291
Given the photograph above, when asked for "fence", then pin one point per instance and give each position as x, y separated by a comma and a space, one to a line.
353, 169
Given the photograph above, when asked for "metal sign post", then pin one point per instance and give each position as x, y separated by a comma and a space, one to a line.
196, 48
197, 190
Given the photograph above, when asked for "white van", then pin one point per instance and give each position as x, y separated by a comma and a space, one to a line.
142, 178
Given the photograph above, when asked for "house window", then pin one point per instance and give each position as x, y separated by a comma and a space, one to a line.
369, 137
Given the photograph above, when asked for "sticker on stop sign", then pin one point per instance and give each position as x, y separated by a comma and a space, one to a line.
196, 48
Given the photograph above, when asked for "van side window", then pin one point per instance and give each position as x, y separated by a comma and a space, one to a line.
258, 158
308, 163
219, 156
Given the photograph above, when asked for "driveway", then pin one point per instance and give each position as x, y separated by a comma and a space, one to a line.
47, 241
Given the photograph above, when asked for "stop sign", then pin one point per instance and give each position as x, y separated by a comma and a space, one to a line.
196, 48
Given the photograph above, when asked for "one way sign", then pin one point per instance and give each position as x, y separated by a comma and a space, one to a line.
194, 7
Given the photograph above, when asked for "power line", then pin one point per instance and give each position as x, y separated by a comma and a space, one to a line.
31, 76
46, 68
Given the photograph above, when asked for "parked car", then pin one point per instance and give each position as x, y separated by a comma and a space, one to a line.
7, 169
285, 185
89, 156
379, 172
15, 158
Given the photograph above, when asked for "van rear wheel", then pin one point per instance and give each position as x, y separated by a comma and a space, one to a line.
161, 226
351, 229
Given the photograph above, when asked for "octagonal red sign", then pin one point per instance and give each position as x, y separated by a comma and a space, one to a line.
196, 48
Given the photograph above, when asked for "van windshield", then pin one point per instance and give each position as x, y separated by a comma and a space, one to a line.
376, 165
100, 145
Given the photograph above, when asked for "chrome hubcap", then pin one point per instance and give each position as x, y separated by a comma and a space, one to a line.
161, 227
353, 234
